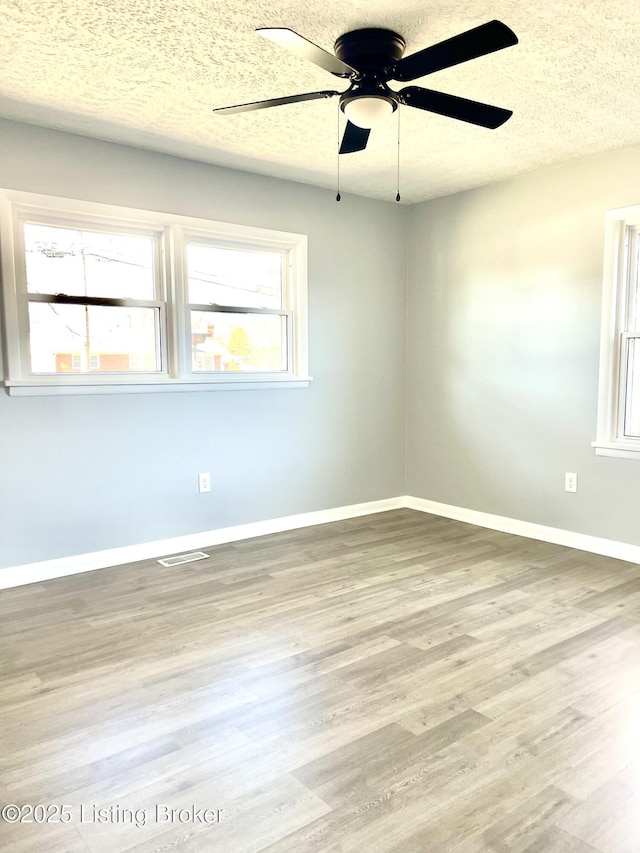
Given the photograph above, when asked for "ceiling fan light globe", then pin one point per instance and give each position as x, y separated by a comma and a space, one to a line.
368, 111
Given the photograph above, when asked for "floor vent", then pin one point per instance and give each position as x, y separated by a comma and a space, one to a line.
183, 558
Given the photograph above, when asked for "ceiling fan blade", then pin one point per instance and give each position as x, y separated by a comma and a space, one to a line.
354, 139
274, 102
306, 49
451, 106
484, 39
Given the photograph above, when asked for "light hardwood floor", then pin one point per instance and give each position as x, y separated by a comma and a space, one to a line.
398, 683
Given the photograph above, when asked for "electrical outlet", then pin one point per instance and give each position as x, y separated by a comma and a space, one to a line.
204, 482
570, 482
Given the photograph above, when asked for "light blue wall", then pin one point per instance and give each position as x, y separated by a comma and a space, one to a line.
504, 306
80, 474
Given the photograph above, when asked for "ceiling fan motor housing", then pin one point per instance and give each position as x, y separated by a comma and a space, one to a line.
371, 48
374, 52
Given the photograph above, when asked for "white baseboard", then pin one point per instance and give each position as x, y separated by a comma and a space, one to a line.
581, 541
49, 569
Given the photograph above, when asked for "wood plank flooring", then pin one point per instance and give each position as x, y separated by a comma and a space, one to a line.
398, 683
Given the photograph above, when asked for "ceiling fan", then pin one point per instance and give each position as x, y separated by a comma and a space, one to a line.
370, 58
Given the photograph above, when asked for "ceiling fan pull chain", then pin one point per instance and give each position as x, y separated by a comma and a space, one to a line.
338, 196
398, 194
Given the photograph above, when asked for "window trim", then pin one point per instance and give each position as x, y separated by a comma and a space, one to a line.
620, 227
172, 234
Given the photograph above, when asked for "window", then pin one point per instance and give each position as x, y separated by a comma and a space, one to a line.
237, 299
76, 362
619, 396
93, 297
101, 299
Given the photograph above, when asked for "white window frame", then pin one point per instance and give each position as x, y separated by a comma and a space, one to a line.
171, 234
622, 232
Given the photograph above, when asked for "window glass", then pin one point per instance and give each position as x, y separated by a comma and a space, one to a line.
92, 338
633, 324
239, 278
238, 342
632, 395
88, 263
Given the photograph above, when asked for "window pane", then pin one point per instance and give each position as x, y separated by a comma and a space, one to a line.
92, 339
632, 392
88, 263
234, 277
238, 342
633, 324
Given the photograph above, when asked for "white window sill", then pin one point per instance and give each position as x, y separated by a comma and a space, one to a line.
42, 389
621, 449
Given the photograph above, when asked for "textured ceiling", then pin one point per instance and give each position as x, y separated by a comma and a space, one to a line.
148, 72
